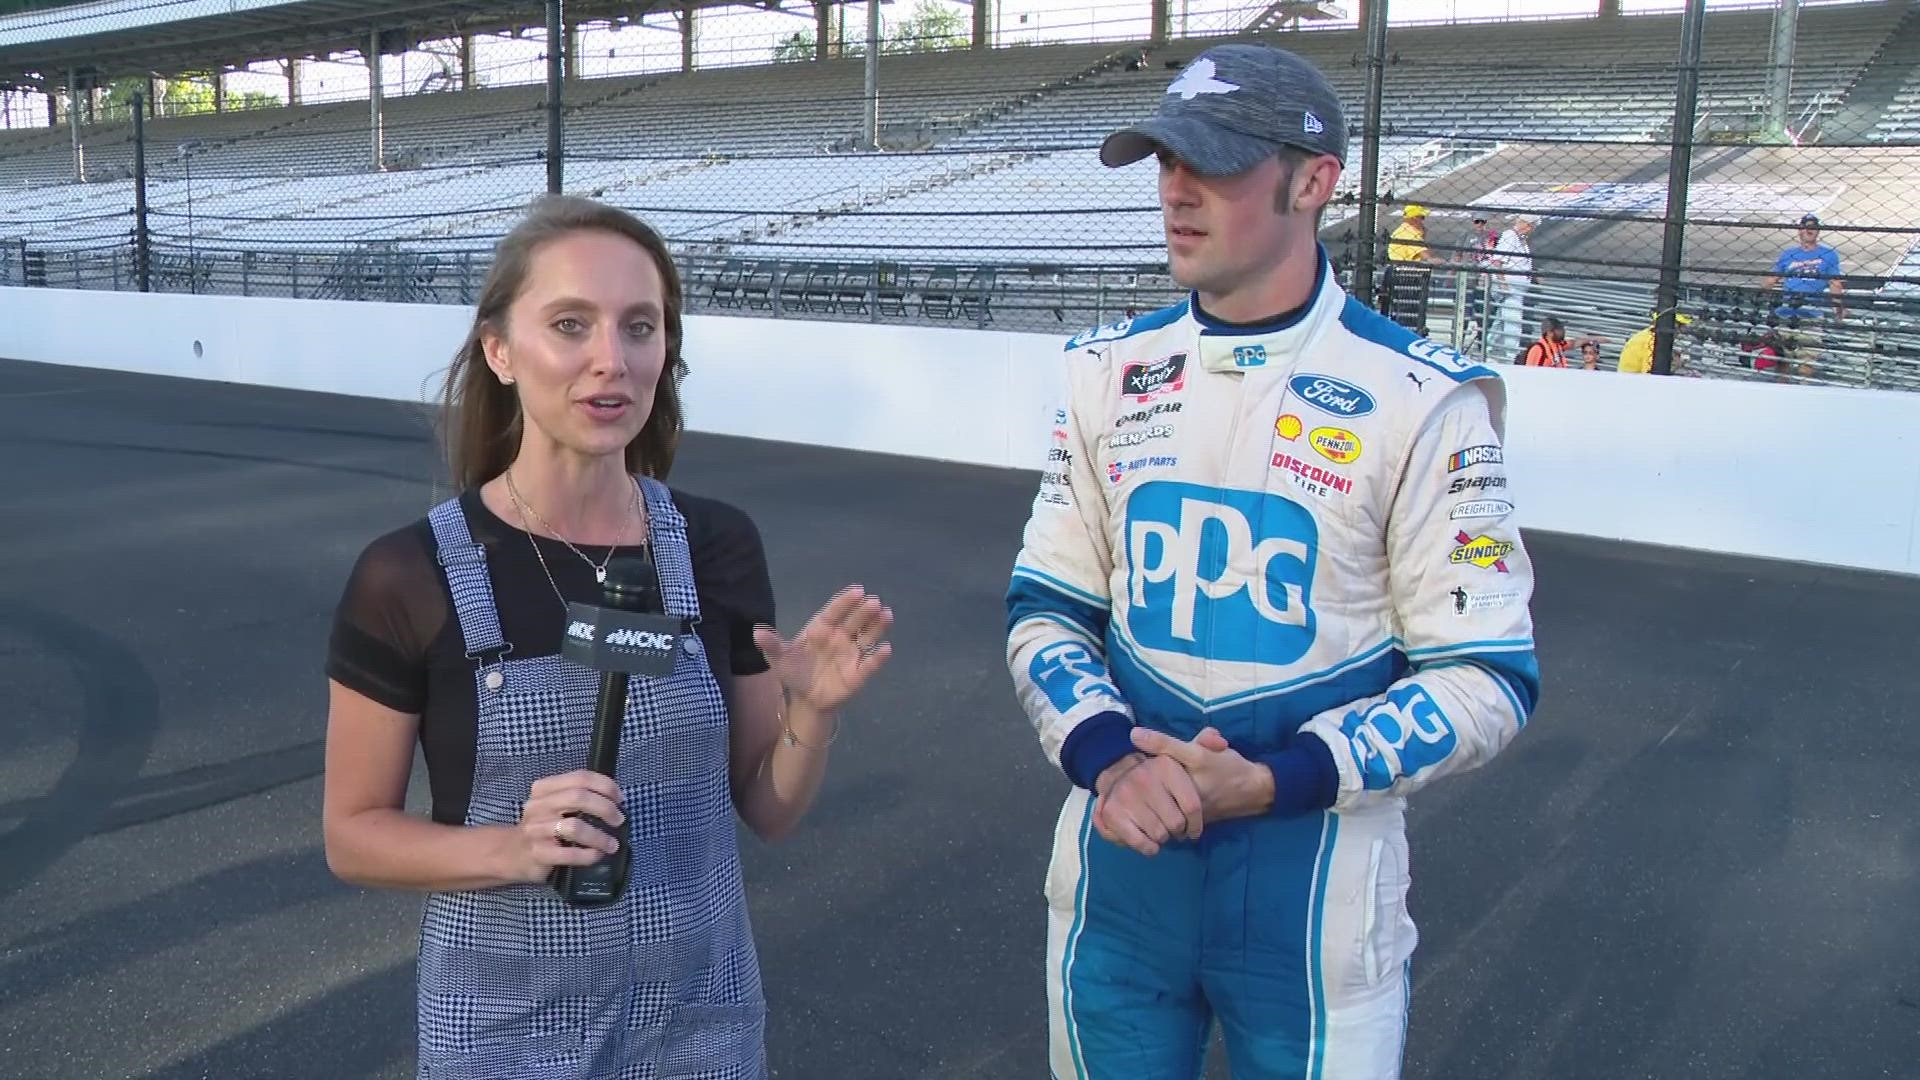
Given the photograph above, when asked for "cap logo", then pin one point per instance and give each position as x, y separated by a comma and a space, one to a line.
1312, 124
1199, 79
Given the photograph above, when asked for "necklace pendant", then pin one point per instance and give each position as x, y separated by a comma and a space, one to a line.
600, 574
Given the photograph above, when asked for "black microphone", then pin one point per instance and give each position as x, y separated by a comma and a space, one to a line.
628, 634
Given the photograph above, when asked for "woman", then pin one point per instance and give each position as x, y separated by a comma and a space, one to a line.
563, 414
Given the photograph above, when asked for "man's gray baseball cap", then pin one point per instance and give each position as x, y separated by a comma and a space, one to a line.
1232, 108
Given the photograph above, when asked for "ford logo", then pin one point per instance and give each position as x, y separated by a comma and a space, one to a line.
1331, 395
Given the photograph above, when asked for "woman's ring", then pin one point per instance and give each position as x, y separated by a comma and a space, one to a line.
557, 822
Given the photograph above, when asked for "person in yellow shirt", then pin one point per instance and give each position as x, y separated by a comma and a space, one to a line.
1409, 240
1636, 356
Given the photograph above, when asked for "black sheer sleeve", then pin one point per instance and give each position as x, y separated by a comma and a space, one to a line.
730, 574
390, 611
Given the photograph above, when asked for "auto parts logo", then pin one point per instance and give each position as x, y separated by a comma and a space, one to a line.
1338, 445
1482, 551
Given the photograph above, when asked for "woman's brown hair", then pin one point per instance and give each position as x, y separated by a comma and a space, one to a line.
481, 417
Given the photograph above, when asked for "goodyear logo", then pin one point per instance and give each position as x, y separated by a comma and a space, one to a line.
1288, 427
1338, 445
1482, 551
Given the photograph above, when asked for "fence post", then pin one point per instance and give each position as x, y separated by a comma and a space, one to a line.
1362, 285
556, 45
141, 258
1679, 164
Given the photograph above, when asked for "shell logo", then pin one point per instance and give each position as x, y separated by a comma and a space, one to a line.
1288, 427
1337, 445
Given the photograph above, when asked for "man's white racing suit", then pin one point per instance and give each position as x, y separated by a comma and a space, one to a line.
1301, 534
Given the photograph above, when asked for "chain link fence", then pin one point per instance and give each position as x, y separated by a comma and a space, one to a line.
1508, 192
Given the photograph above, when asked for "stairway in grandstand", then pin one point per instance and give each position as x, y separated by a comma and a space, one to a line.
1884, 101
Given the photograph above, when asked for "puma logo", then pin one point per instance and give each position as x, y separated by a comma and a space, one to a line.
1418, 382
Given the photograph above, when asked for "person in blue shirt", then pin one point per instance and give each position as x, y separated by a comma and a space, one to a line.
1806, 272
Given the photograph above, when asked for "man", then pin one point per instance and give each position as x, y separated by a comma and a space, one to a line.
1551, 349
1408, 275
1409, 239
1636, 356
1270, 585
1809, 270
1512, 263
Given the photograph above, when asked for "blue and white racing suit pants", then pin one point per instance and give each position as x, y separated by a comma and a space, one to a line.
1292, 932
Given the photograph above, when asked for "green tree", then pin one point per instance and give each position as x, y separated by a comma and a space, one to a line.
931, 27
176, 97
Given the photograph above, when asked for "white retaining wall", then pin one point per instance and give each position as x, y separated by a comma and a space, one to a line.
1812, 474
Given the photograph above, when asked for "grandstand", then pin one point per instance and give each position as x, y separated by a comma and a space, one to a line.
983, 201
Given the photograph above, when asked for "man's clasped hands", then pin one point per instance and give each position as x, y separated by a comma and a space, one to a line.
1167, 789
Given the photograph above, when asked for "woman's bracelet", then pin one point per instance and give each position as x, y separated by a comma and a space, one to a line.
794, 740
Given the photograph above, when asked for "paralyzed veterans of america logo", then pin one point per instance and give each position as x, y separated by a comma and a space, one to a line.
1482, 551
1222, 574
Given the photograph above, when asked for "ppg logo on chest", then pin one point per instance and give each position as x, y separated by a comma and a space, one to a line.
1225, 575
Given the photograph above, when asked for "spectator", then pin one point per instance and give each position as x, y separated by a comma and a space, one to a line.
1806, 272
1590, 355
1409, 240
1636, 356
1406, 280
1512, 263
1551, 349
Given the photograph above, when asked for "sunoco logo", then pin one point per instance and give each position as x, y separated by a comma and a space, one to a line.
1482, 551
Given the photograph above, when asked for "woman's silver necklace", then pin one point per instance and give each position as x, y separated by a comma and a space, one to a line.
599, 568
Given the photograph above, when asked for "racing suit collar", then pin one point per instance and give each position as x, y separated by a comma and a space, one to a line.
1273, 324
1229, 346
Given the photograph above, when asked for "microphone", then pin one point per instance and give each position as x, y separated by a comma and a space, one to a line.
627, 634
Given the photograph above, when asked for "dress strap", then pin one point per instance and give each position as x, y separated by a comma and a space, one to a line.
464, 562
671, 556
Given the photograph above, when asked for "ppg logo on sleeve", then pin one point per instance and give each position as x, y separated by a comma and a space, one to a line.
1226, 575
1402, 736
1067, 672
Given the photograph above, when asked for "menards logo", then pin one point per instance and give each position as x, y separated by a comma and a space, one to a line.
1482, 551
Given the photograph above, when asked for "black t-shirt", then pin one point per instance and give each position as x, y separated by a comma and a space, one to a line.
396, 640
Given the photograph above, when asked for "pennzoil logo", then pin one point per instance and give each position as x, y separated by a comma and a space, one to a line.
1338, 445
1482, 551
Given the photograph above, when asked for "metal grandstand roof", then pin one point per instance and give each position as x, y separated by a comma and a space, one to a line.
112, 38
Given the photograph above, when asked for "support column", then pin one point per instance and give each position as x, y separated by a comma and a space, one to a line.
1369, 226
687, 29
573, 53
822, 29
1786, 23
375, 91
219, 91
983, 24
293, 80
872, 90
73, 126
153, 104
466, 62
1162, 19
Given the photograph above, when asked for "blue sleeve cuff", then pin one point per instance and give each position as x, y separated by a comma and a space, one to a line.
1099, 741
1304, 776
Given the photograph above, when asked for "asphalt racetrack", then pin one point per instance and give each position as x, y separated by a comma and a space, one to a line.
1701, 860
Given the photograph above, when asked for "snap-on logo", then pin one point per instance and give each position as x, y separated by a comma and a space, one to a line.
1331, 395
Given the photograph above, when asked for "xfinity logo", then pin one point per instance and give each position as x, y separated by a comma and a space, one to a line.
1222, 574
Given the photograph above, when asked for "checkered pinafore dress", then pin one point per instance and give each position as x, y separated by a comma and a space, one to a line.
515, 983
